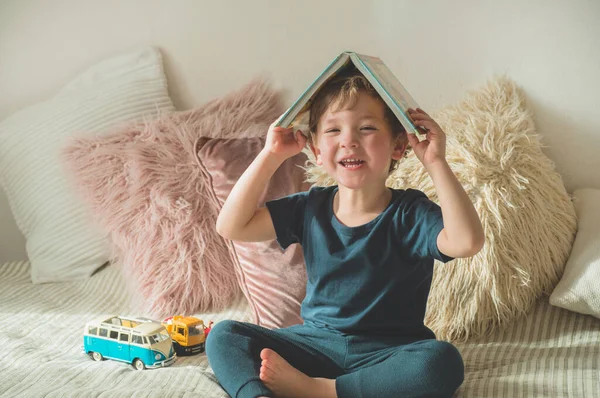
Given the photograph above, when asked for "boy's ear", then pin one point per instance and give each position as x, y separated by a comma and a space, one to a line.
317, 152
400, 148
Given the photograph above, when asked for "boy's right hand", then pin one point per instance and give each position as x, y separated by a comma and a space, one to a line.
283, 142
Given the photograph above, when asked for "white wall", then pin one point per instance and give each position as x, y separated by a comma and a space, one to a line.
439, 49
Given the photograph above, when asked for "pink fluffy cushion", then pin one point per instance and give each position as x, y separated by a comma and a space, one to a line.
148, 189
274, 281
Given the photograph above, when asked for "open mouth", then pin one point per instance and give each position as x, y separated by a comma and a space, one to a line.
351, 163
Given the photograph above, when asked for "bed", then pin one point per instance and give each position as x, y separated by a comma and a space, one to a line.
551, 352
208, 49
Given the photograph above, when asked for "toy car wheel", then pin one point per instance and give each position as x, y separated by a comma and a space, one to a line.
96, 356
179, 350
139, 364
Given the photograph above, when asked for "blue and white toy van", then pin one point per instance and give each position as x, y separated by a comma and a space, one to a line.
141, 342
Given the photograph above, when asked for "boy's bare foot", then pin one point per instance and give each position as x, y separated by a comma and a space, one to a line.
288, 382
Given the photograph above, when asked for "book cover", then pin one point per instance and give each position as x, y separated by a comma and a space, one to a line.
389, 88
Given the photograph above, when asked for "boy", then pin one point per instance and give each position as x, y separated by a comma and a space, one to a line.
369, 254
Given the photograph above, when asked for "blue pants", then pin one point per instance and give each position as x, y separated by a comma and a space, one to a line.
361, 366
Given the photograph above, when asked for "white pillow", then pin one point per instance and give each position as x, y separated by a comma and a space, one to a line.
579, 288
62, 242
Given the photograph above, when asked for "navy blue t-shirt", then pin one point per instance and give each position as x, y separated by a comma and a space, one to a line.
373, 278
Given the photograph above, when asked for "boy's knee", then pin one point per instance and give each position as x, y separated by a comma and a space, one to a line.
446, 367
226, 326
447, 353
219, 334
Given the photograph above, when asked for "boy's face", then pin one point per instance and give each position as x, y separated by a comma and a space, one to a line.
355, 145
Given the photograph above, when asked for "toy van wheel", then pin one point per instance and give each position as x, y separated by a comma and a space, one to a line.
96, 356
139, 364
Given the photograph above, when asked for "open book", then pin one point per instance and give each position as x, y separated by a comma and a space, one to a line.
376, 72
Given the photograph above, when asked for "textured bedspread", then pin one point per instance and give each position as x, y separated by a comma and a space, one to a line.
41, 335
550, 353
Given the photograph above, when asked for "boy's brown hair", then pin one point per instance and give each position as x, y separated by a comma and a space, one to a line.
343, 91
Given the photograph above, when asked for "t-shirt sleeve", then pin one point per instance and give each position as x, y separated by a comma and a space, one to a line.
287, 214
420, 222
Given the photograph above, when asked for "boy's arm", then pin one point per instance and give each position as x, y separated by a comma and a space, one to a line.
240, 218
462, 235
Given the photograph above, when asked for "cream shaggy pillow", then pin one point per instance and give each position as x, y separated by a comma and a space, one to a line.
528, 218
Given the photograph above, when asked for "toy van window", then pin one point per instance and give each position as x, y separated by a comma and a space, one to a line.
158, 337
114, 334
103, 332
93, 330
180, 331
135, 339
124, 337
146, 340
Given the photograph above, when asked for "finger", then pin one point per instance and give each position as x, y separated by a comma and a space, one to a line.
412, 140
422, 111
411, 112
301, 138
420, 116
280, 129
426, 123
411, 115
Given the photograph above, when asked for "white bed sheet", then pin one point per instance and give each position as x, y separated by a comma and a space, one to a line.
551, 352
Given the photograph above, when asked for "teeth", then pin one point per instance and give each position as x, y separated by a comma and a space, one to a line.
351, 163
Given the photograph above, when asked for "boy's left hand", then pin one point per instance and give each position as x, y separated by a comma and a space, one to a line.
433, 148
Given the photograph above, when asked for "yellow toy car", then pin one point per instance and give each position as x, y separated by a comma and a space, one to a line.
188, 334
